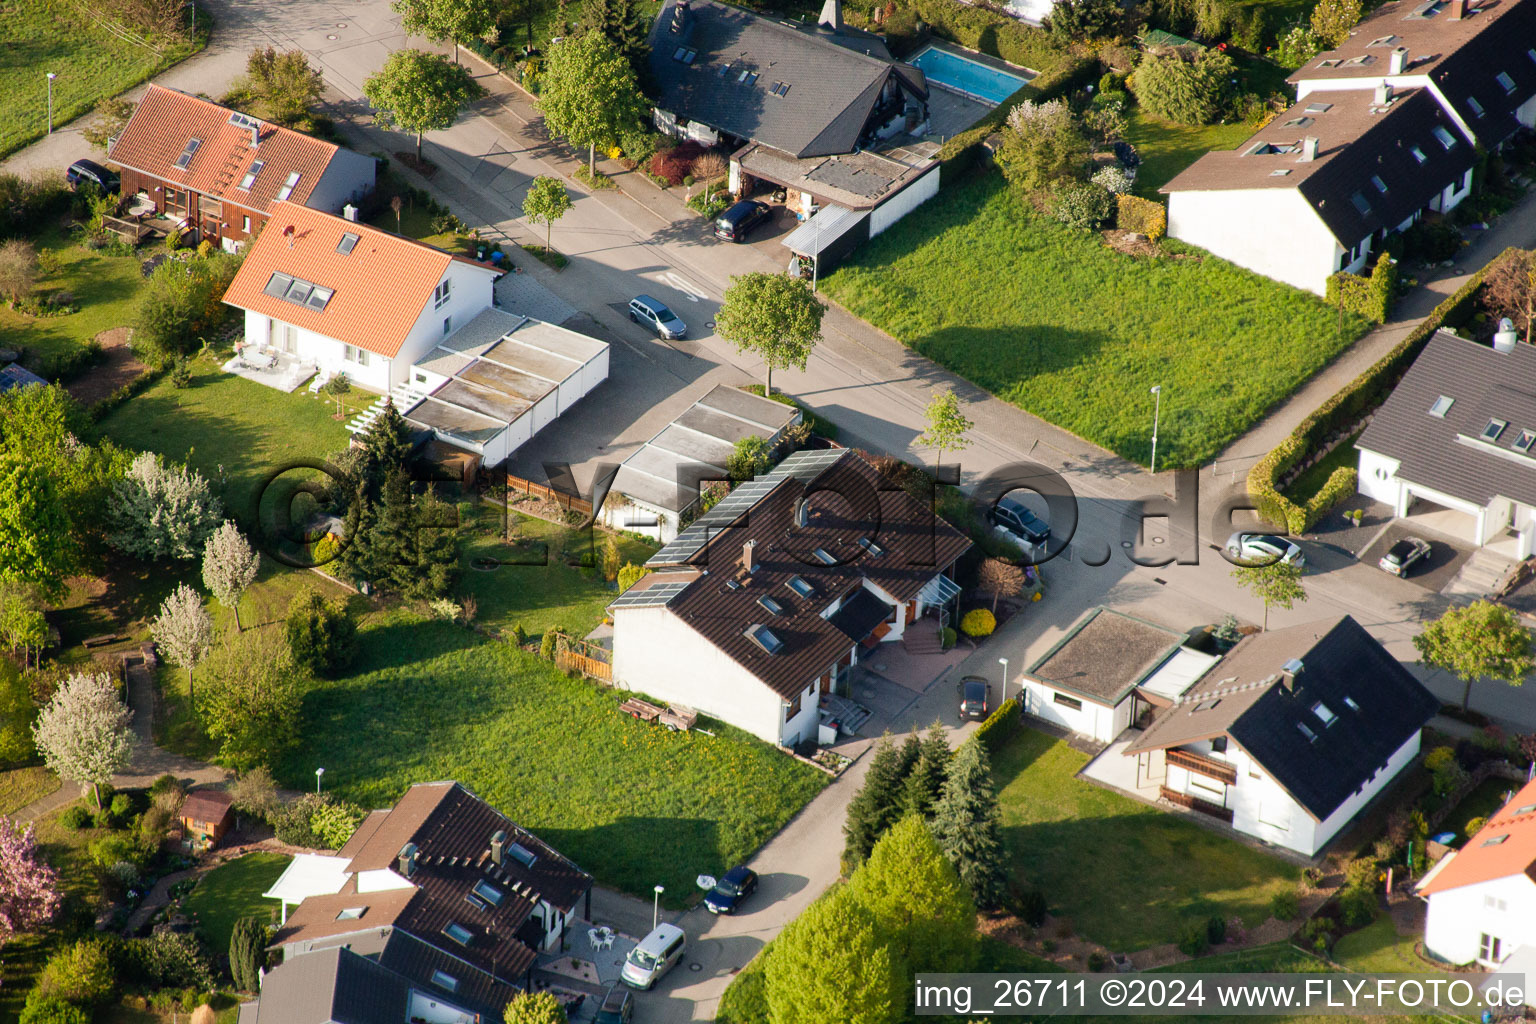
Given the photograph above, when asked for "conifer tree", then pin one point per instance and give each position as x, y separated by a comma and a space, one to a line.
921, 908
922, 786
967, 825
876, 805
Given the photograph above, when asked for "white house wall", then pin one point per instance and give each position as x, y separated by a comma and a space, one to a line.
1378, 478
326, 353
1098, 721
1271, 231
657, 653
469, 292
904, 202
1526, 113
1459, 918
347, 178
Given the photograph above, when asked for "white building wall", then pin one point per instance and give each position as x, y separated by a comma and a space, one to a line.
904, 202
469, 292
1271, 231
1504, 908
347, 178
1378, 478
1098, 721
1526, 113
655, 652
327, 353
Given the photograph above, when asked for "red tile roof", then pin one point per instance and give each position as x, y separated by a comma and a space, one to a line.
380, 287
166, 120
1487, 856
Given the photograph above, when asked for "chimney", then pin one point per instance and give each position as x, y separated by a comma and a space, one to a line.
255, 135
680, 12
407, 860
288, 234
1397, 61
1289, 673
748, 562
831, 15
498, 845
802, 513
349, 212
1309, 149
1456, 10
1383, 94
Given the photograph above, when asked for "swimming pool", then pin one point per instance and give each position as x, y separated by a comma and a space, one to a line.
967, 76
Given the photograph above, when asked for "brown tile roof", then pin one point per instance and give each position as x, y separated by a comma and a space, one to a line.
1358, 141
318, 916
206, 805
1486, 856
166, 120
380, 287
1105, 655
846, 501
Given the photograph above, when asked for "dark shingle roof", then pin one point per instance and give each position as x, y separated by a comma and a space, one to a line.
331, 985
1445, 453
834, 79
1342, 663
1105, 655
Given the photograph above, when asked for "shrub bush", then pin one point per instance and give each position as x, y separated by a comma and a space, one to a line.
672, 165
45, 1009
948, 637
999, 726
1357, 907
1431, 242
1296, 47
978, 622
1083, 206
1474, 826
1097, 961
81, 974
1194, 939
1113, 179
1028, 905
1192, 92
1284, 905
1216, 930
28, 202
1143, 216
322, 635
1369, 296
76, 817
175, 960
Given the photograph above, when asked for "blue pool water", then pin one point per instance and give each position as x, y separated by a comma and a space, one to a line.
968, 76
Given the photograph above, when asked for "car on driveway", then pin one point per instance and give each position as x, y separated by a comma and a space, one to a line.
656, 954
618, 1007
90, 172
654, 314
735, 223
1019, 521
729, 893
975, 698
1259, 549
1402, 556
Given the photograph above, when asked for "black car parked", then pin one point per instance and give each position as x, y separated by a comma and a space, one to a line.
92, 172
730, 891
975, 698
734, 224
1019, 521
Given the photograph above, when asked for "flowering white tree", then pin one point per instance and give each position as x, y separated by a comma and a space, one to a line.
29, 888
183, 630
83, 731
229, 566
160, 511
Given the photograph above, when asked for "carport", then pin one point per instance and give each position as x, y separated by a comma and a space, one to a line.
1427, 509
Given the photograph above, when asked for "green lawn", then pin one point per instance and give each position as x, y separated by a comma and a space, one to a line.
232, 891
1056, 323
1488, 797
106, 289
633, 803
1166, 148
1379, 948
1311, 480
91, 62
547, 576
21, 786
1124, 873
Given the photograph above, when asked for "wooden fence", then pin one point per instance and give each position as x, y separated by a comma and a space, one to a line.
570, 660
518, 485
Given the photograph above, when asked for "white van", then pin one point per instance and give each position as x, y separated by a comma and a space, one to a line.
657, 953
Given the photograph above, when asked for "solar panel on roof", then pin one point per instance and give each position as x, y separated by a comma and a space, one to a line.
652, 596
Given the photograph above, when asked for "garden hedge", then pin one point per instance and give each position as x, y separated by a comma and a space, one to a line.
1343, 410
1370, 296
1144, 216
1000, 726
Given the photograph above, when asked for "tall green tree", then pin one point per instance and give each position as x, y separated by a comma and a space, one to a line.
386, 448
623, 24
420, 92
251, 701
450, 20
967, 825
920, 906
947, 425
415, 540
322, 635
247, 953
35, 544
774, 316
589, 95
1480, 641
1332, 20
287, 83
546, 202
1277, 584
877, 804
926, 780
830, 965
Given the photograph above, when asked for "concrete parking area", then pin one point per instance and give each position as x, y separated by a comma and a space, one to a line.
1433, 573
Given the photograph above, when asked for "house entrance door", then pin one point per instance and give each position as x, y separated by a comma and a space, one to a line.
290, 342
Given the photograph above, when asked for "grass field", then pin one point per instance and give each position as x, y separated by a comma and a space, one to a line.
633, 803
106, 289
232, 891
21, 786
1125, 874
1379, 948
1054, 322
90, 61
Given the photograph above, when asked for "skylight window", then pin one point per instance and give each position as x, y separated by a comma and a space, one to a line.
801, 586
1279, 172
458, 933
1446, 138
1496, 840
743, 76
186, 154
1361, 204
250, 175
874, 550
783, 89
521, 854
1477, 108
1383, 41
488, 892
1504, 80
1531, 54
240, 120
1324, 713
1349, 702
347, 244
351, 913
1492, 431
1527, 809
1298, 122
685, 55
752, 78
725, 69
298, 291
287, 189
1207, 705
1442, 406
319, 298
1418, 154
1381, 186
824, 556
1307, 732
1319, 107
1524, 441
770, 606
1359, 61
1331, 62
763, 637
446, 982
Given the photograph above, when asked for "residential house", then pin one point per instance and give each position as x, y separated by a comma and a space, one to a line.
447, 900
820, 110
349, 298
774, 595
1386, 128
1290, 735
1108, 672
660, 482
1452, 445
205, 816
1482, 898
220, 172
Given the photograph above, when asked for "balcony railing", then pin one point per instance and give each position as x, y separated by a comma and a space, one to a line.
1194, 803
1219, 770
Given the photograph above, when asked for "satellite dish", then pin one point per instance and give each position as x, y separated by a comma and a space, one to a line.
705, 882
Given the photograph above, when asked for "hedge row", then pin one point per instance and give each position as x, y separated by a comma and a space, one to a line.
1370, 296
1343, 410
999, 727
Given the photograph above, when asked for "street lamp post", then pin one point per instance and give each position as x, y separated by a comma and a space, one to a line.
1157, 408
319, 774
656, 906
51, 77
1004, 662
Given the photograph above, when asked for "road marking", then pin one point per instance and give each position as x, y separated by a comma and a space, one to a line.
689, 291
